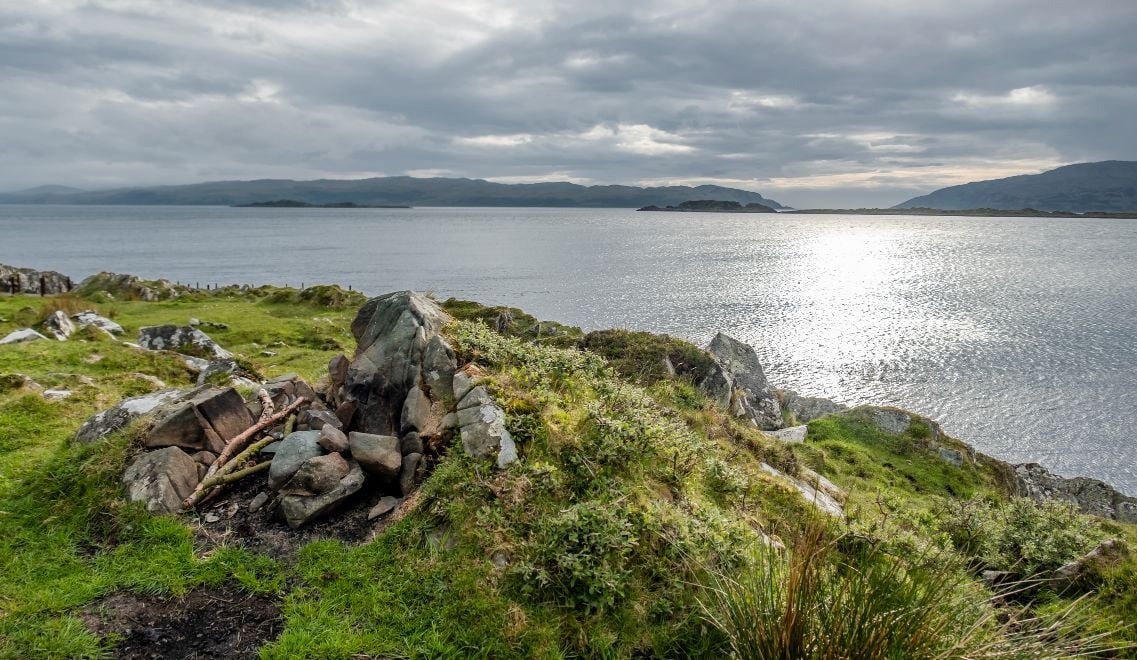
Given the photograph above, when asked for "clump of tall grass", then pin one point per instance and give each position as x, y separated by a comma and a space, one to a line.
816, 601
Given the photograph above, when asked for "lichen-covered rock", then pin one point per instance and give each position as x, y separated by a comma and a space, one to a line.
104, 423
952, 456
292, 452
89, 318
181, 339
1090, 495
35, 282
751, 396
484, 434
792, 434
378, 454
20, 336
299, 510
161, 479
891, 421
58, 325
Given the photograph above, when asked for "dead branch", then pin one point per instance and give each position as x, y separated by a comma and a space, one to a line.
268, 408
230, 477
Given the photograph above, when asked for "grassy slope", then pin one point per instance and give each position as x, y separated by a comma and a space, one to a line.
624, 496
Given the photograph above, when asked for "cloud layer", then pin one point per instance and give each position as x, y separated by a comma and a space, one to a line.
814, 104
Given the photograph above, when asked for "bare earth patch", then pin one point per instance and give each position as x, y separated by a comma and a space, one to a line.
209, 622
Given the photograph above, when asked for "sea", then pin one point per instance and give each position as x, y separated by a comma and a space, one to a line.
1019, 335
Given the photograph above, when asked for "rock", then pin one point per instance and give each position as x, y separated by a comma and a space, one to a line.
1085, 568
205, 458
421, 414
152, 380
478, 396
102, 424
808, 408
9, 382
258, 502
407, 476
393, 333
317, 475
815, 496
821, 483
484, 434
20, 336
449, 421
161, 479
129, 287
318, 419
996, 578
792, 434
412, 443
891, 421
89, 318
438, 367
58, 325
1090, 495
293, 451
207, 421
212, 517
752, 389
272, 447
56, 395
26, 280
385, 505
953, 456
500, 560
378, 454
463, 383
718, 386
332, 439
337, 370
182, 339
193, 322
299, 510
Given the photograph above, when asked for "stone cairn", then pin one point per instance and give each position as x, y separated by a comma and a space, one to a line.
380, 420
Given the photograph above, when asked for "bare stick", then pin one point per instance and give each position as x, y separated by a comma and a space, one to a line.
267, 406
234, 476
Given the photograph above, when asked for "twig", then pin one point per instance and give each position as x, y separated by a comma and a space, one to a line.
230, 477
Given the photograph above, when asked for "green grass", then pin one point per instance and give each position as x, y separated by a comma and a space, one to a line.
630, 489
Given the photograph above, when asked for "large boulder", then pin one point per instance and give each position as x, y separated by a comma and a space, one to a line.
399, 348
808, 408
161, 479
751, 395
104, 423
26, 280
182, 339
1090, 495
298, 510
58, 325
207, 421
290, 455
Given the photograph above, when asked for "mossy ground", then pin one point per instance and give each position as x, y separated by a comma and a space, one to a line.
631, 486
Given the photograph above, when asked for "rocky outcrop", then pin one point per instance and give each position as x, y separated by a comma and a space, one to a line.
740, 384
181, 339
818, 492
129, 287
807, 408
21, 336
34, 282
792, 434
1090, 495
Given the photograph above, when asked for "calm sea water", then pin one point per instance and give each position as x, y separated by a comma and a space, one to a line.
1018, 334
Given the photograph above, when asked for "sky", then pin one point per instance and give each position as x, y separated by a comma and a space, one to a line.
819, 103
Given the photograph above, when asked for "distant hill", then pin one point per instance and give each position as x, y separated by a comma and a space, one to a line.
1106, 186
395, 190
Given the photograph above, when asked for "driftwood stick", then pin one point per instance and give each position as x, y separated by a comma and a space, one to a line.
233, 445
230, 477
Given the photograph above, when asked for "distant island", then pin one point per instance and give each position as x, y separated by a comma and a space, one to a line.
982, 212
1108, 186
712, 206
389, 191
295, 204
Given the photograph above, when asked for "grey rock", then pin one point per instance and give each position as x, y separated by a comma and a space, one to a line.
478, 396
808, 408
207, 421
412, 443
84, 319
449, 421
10, 382
58, 325
417, 414
378, 454
332, 439
385, 505
293, 451
953, 456
891, 421
821, 500
821, 483
104, 423
205, 458
258, 502
462, 385
317, 475
438, 367
718, 386
26, 280
271, 448
484, 434
500, 560
161, 479
441, 538
180, 339
408, 476
318, 419
1090, 495
1108, 553
793, 434
751, 389
299, 510
21, 336
56, 394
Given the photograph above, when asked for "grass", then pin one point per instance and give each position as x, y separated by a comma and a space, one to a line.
631, 488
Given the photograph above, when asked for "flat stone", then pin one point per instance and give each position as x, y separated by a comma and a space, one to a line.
161, 479
317, 475
84, 319
378, 454
332, 439
293, 451
385, 505
792, 434
56, 395
20, 336
116, 418
407, 475
224, 414
298, 510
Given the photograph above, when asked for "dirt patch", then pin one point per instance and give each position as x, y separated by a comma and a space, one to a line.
209, 622
228, 520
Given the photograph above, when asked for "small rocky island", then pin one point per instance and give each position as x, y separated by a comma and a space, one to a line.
712, 206
296, 204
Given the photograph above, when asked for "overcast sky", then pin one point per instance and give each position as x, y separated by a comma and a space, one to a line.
812, 103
